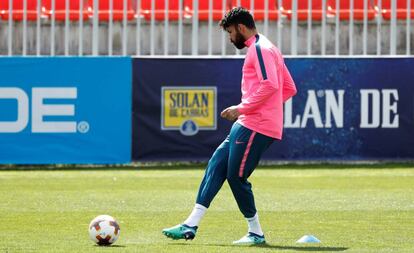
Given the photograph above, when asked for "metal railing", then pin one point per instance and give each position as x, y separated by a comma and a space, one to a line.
144, 34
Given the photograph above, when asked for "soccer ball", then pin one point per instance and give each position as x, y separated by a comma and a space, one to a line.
104, 230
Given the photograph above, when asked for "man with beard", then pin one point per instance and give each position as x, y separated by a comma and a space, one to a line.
266, 85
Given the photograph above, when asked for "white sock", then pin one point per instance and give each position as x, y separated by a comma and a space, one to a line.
196, 215
254, 225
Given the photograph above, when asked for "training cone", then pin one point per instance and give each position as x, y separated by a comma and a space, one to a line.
308, 239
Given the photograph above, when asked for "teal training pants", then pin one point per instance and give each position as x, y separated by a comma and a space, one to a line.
234, 160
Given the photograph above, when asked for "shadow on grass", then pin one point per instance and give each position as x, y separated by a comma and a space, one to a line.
110, 246
272, 247
296, 248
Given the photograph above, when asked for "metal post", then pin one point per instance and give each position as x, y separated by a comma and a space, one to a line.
408, 31
38, 37
309, 32
95, 28
210, 26
110, 27
10, 28
393, 33
166, 26
152, 29
365, 28
266, 18
323, 39
80, 48
351, 28
52, 29
223, 34
138, 29
67, 27
194, 40
24, 27
180, 27
337, 6
379, 26
124, 29
294, 30
279, 25
252, 7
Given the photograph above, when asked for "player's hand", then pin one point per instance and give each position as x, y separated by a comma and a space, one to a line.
230, 113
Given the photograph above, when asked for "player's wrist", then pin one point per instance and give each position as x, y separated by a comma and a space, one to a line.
241, 109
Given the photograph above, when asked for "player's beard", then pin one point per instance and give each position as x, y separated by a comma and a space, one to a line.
239, 41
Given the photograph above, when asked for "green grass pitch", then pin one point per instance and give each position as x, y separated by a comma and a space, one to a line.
348, 209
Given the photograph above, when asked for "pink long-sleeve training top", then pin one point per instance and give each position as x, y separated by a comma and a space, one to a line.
266, 85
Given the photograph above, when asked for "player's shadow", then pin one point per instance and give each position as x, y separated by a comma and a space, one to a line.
275, 247
296, 248
111, 246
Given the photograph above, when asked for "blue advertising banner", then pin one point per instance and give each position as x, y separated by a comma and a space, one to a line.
65, 110
345, 109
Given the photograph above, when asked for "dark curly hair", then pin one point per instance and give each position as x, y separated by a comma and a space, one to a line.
237, 16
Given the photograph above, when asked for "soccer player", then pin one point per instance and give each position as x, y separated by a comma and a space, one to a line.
266, 85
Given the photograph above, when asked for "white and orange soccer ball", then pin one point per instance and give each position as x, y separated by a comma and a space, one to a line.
104, 230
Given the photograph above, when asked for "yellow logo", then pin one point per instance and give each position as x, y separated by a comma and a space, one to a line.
188, 109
